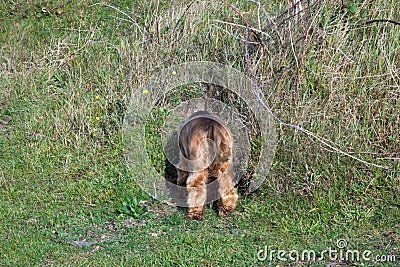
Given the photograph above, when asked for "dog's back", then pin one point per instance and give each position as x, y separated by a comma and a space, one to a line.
203, 125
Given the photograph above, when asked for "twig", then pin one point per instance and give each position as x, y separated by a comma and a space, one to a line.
231, 34
270, 20
293, 15
174, 28
244, 19
183, 14
242, 26
383, 20
388, 158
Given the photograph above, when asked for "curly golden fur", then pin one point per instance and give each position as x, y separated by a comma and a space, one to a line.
201, 163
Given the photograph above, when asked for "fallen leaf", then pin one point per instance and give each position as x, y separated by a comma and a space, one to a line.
60, 11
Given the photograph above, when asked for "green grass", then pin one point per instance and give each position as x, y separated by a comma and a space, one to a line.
66, 73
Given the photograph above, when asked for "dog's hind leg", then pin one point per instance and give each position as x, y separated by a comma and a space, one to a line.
228, 193
196, 185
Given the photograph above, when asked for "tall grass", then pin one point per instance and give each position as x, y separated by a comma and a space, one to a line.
67, 70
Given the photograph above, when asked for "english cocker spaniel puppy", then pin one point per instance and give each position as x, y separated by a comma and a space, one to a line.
205, 145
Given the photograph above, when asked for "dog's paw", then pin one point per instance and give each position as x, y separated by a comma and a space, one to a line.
196, 213
223, 211
195, 216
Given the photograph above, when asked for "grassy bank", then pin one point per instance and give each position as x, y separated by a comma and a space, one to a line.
66, 72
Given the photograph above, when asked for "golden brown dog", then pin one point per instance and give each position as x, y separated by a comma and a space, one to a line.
206, 155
